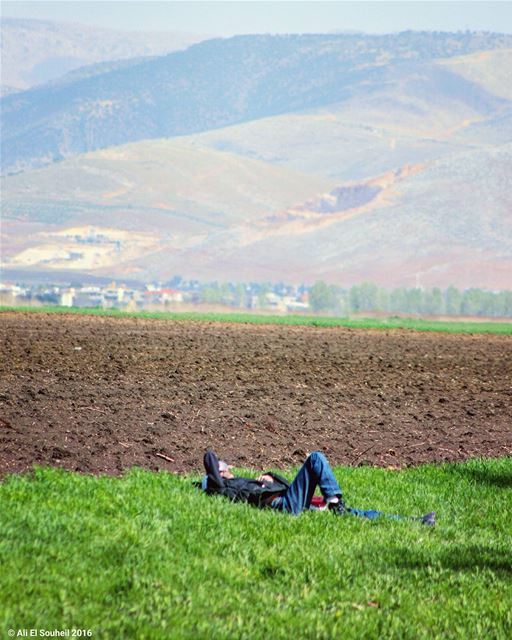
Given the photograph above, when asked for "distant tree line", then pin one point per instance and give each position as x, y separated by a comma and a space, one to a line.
361, 298
236, 294
369, 297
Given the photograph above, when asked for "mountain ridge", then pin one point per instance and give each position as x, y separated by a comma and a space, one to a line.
36, 51
393, 169
214, 84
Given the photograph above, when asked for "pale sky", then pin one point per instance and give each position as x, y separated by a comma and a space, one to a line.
267, 16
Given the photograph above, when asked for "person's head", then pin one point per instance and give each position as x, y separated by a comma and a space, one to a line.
225, 470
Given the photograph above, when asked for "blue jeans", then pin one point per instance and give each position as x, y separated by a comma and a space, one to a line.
372, 514
316, 472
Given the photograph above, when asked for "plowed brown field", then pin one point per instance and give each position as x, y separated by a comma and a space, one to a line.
100, 395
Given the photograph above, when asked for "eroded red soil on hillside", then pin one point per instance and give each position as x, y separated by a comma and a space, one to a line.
100, 395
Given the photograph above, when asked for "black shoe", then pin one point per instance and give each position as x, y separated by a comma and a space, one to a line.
429, 519
338, 508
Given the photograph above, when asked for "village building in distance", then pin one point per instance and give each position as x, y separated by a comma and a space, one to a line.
157, 297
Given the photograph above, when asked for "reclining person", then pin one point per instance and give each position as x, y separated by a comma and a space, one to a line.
274, 491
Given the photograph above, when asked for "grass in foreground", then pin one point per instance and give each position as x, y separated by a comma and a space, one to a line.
416, 324
149, 556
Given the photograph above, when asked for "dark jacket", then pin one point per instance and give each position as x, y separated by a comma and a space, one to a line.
258, 494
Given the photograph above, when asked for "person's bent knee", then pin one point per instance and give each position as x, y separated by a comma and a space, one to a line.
317, 455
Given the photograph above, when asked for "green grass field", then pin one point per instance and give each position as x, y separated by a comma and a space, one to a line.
416, 324
149, 556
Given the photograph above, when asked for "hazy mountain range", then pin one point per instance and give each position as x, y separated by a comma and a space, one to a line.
340, 157
36, 51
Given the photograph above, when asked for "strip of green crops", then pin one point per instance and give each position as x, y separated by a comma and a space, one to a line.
462, 326
149, 556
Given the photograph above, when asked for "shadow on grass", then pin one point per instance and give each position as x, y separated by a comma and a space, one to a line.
463, 558
501, 479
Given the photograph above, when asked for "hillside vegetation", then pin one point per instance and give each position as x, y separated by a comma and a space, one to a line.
416, 114
218, 83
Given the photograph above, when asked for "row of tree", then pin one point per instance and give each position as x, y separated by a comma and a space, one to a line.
369, 297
